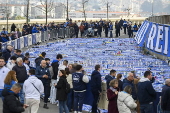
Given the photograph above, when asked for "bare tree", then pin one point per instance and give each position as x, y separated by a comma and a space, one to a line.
84, 10
108, 4
47, 6
27, 12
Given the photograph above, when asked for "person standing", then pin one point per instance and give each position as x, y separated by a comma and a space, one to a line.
129, 81
4, 71
106, 28
79, 88
96, 87
10, 79
11, 63
110, 77
125, 102
61, 92
11, 103
19, 54
119, 76
165, 97
81, 29
7, 53
40, 58
21, 73
33, 88
117, 27
13, 27
111, 30
146, 93
43, 73
112, 93
125, 26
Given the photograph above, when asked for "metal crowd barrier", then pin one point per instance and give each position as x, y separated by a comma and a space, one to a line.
43, 36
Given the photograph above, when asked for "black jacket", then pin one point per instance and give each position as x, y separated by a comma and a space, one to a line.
38, 61
6, 54
11, 102
61, 89
96, 81
165, 100
55, 65
21, 73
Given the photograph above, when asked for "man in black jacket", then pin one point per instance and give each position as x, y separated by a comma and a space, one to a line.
43, 73
165, 99
96, 87
40, 58
11, 103
21, 75
55, 65
146, 93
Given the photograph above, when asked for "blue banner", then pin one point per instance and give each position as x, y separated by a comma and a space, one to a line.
155, 36
33, 38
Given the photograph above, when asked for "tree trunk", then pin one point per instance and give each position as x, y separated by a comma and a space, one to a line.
46, 11
84, 12
27, 15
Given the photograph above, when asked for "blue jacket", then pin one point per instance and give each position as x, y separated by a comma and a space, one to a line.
108, 79
165, 100
78, 84
146, 92
130, 83
9, 86
43, 71
96, 81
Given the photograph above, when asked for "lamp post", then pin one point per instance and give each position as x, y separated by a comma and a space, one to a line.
67, 11
152, 8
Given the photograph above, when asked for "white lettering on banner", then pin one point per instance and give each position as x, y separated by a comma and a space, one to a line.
166, 40
159, 38
144, 31
140, 32
152, 35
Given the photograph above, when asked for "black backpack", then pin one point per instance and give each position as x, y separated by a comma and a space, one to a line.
67, 87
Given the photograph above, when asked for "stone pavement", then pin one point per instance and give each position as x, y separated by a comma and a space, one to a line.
54, 108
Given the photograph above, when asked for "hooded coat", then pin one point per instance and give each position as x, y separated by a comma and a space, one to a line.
96, 81
11, 102
125, 102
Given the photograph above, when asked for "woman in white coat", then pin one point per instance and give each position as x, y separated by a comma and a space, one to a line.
125, 102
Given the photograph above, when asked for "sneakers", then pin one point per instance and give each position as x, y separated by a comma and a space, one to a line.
45, 106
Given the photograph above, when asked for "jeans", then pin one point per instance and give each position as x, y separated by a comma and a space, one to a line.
111, 34
95, 101
1, 95
70, 99
46, 91
62, 105
146, 108
78, 101
21, 93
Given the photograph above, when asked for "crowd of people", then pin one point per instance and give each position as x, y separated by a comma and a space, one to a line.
78, 29
21, 82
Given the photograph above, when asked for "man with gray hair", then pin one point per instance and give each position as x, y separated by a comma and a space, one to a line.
129, 82
11, 103
7, 53
21, 75
165, 99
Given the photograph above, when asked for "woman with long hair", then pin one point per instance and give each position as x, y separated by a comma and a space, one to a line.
61, 92
10, 79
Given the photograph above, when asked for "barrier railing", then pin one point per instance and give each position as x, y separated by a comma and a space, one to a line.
43, 36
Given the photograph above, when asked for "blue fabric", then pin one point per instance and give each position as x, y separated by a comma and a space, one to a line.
9, 86
111, 34
70, 99
78, 101
55, 61
146, 108
78, 84
21, 93
62, 105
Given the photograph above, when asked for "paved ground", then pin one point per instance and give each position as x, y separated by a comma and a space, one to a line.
54, 108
